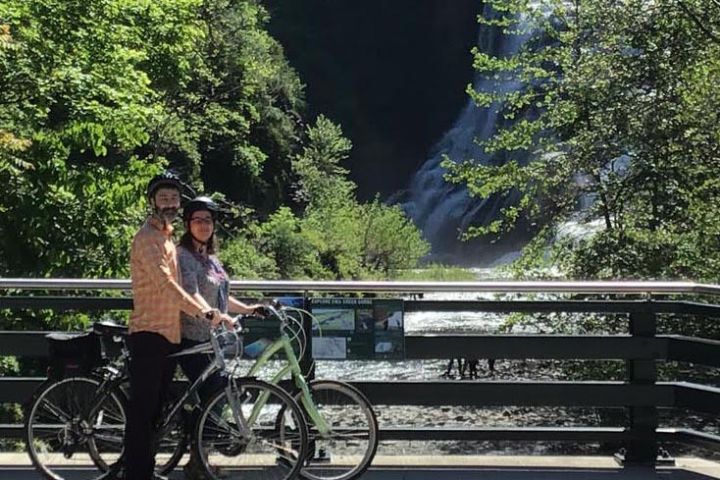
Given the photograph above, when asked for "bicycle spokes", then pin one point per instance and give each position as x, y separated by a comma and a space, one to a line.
257, 432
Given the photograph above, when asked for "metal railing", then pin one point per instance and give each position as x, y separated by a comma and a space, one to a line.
505, 286
641, 348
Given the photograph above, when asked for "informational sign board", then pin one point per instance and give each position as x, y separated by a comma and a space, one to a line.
358, 329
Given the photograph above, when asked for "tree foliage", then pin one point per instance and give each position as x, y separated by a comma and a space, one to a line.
234, 121
618, 110
353, 240
332, 235
97, 96
74, 104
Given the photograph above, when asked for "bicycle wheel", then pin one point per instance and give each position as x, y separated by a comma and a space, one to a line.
71, 424
173, 443
251, 446
347, 450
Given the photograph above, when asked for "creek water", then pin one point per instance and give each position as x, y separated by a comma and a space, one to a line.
471, 322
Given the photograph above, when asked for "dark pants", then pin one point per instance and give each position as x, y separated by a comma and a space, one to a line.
151, 372
194, 365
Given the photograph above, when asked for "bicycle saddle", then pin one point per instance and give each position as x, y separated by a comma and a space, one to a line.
107, 328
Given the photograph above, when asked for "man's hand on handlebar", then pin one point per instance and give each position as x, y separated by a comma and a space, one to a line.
219, 317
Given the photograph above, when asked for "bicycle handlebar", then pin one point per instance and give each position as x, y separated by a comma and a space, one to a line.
273, 310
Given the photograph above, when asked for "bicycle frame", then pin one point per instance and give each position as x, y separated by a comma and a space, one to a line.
292, 367
218, 364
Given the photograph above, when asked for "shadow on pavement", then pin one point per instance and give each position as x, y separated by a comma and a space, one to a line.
533, 474
478, 473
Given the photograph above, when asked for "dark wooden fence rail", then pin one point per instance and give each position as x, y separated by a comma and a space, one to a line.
641, 349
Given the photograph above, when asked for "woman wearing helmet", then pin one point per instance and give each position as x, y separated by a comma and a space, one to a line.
203, 277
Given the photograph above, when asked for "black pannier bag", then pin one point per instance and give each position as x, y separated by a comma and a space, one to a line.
112, 338
73, 353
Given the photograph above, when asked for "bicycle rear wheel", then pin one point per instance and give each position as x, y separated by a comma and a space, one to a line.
71, 424
347, 450
251, 445
173, 443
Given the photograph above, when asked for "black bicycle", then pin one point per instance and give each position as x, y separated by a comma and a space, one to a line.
78, 422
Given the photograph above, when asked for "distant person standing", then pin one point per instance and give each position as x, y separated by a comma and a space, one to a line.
154, 326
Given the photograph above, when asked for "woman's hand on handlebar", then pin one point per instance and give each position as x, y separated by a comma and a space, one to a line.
260, 310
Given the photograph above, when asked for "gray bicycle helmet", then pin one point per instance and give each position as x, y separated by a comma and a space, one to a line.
166, 179
200, 203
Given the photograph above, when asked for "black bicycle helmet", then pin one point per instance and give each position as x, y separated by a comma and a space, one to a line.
200, 203
167, 179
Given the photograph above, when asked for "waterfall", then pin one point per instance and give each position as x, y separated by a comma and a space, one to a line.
442, 210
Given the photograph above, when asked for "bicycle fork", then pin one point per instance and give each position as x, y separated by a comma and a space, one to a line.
236, 408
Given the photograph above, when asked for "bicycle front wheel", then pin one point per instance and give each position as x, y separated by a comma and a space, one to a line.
238, 436
71, 424
347, 448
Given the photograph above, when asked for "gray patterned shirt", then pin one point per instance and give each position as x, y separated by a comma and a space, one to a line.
204, 275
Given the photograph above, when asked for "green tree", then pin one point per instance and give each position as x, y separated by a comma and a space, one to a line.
353, 240
283, 239
233, 120
97, 96
243, 260
618, 105
321, 177
390, 241
74, 104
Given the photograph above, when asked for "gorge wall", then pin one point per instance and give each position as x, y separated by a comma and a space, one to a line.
391, 72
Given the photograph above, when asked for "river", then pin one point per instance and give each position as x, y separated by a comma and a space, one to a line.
470, 322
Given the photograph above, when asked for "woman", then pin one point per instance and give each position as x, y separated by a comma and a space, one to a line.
203, 277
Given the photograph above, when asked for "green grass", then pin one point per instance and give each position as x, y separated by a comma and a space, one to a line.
436, 272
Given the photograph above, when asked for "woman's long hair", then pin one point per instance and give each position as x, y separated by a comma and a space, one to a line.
187, 241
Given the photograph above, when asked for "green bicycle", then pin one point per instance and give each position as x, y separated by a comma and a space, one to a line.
343, 428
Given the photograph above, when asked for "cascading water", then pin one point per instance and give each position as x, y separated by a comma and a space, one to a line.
442, 210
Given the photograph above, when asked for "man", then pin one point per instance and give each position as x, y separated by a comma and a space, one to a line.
154, 329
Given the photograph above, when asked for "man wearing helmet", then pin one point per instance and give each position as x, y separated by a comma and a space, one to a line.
154, 326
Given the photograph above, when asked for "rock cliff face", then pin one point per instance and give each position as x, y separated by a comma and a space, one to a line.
391, 72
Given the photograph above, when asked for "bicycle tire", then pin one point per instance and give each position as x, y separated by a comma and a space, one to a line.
172, 446
342, 455
266, 451
173, 441
60, 425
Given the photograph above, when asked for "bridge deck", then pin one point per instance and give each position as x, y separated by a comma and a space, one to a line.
456, 467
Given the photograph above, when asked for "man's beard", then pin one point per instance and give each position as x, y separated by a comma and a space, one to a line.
168, 214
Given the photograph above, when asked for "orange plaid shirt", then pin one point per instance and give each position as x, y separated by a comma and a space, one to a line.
158, 296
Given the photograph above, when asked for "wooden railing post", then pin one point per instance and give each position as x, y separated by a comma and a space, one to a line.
642, 445
307, 364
